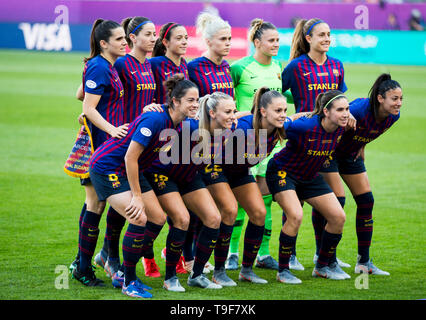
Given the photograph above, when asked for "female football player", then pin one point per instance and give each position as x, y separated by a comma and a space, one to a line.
292, 177
134, 70
248, 75
168, 56
102, 95
312, 71
374, 115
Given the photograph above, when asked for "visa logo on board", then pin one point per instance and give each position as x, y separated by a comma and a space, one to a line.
48, 37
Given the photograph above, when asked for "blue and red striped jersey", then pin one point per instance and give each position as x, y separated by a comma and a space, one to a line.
146, 130
181, 166
308, 146
245, 153
101, 78
210, 77
367, 129
139, 85
163, 68
306, 80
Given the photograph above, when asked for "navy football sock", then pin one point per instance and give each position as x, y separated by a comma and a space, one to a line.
132, 247
252, 240
152, 231
284, 219
222, 246
287, 244
342, 201
114, 224
364, 224
174, 244
89, 232
205, 244
329, 243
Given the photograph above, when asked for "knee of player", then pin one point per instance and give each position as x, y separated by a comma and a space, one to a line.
181, 221
338, 220
258, 216
295, 219
212, 221
159, 219
94, 205
139, 220
230, 212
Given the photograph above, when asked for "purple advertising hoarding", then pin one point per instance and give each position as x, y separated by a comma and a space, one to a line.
338, 15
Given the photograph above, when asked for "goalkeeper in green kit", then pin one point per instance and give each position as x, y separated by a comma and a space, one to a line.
249, 74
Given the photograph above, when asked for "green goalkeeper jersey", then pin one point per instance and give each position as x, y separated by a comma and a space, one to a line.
248, 75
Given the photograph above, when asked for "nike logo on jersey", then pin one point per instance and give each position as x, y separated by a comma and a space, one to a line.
133, 72
307, 73
310, 140
207, 73
167, 73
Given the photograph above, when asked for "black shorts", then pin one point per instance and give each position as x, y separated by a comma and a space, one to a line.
108, 185
162, 184
85, 181
279, 180
215, 173
344, 165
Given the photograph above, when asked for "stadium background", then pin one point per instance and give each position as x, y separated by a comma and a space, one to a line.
41, 51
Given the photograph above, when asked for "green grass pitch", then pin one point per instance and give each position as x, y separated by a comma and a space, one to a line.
40, 204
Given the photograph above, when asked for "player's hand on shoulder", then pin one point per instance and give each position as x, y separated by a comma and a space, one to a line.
153, 107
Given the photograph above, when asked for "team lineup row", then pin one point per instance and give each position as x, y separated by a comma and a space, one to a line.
129, 101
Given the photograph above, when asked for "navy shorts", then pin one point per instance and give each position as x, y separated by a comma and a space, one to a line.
110, 184
85, 181
279, 180
215, 173
162, 184
344, 165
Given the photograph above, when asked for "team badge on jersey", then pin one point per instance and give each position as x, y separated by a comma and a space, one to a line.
91, 84
279, 76
146, 132
336, 72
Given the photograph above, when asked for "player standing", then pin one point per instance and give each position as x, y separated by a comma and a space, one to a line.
249, 74
374, 115
310, 72
102, 94
211, 72
134, 70
168, 56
